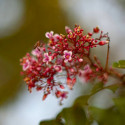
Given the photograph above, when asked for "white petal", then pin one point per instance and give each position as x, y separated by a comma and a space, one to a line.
51, 32
70, 58
47, 35
45, 54
70, 52
65, 51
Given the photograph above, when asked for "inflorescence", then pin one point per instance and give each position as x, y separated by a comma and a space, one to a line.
64, 57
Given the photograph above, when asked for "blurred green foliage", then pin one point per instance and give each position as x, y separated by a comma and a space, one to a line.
40, 17
119, 64
122, 3
81, 113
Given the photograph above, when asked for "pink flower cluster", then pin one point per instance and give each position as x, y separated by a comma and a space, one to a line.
89, 73
64, 55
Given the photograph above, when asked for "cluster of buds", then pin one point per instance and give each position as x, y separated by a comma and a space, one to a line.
91, 74
64, 56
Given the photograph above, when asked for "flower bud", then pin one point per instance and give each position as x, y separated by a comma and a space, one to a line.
101, 43
96, 30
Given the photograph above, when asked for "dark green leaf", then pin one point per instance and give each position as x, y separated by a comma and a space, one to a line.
73, 116
70, 116
120, 104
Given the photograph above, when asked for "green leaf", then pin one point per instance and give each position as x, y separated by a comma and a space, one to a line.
113, 87
109, 116
120, 104
82, 100
51, 122
73, 116
97, 87
120, 64
115, 64
69, 116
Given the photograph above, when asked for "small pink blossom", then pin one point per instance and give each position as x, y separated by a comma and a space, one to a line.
86, 74
80, 60
37, 52
67, 29
87, 68
26, 65
47, 58
56, 37
67, 56
49, 34
81, 76
53, 47
72, 70
58, 68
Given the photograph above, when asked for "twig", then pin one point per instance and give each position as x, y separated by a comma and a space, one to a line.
107, 59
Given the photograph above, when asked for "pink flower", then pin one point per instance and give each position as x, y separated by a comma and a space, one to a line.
80, 60
36, 52
61, 94
58, 68
67, 29
56, 37
47, 58
86, 74
72, 70
49, 35
26, 65
87, 68
67, 56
